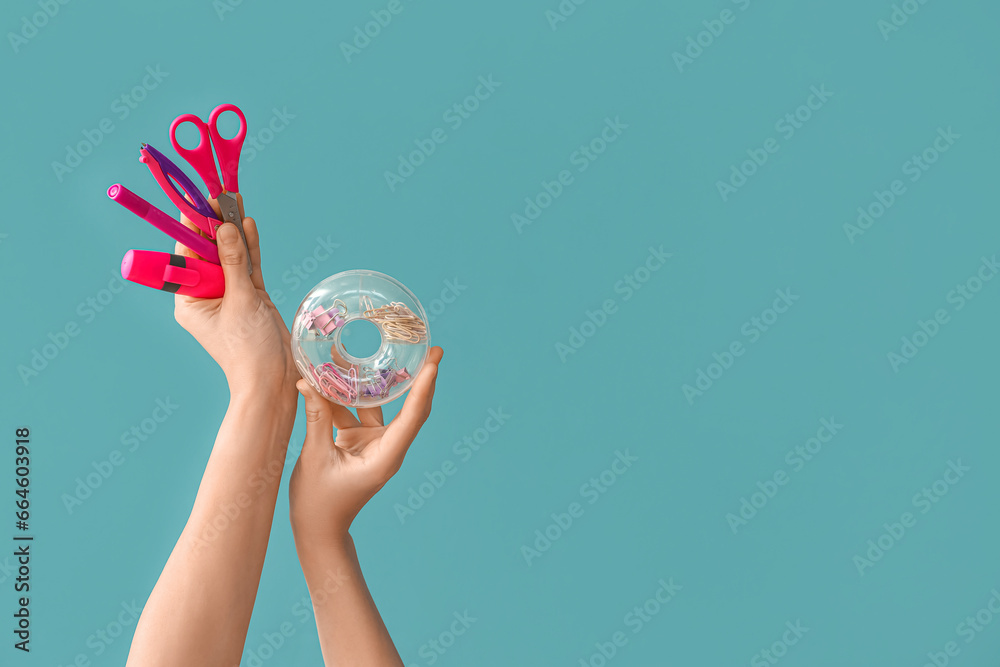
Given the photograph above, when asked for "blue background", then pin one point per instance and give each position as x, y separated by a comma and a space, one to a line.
521, 290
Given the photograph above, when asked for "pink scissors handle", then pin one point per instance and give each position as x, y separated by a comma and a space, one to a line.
228, 150
200, 157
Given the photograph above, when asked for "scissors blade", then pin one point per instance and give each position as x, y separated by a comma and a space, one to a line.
230, 208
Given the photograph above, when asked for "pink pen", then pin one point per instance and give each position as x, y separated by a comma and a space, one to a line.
169, 226
174, 273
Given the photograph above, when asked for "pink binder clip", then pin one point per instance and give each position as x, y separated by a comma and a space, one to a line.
325, 320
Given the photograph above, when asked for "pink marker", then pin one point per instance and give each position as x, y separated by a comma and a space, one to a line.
174, 273
169, 226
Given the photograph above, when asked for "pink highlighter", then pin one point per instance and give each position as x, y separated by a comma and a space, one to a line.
174, 273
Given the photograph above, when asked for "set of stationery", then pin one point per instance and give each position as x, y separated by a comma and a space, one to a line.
179, 273
369, 382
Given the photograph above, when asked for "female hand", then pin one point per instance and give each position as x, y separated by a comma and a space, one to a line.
333, 480
243, 330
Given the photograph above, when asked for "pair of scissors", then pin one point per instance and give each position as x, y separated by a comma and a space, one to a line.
202, 158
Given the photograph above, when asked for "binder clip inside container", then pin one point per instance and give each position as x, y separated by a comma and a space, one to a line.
325, 321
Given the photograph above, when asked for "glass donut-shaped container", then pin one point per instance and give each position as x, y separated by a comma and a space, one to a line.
320, 354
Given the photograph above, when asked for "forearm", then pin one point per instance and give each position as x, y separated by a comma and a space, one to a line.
351, 631
199, 610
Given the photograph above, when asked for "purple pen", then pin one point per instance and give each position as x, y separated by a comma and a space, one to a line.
169, 226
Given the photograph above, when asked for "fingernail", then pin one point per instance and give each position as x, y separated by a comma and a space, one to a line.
226, 233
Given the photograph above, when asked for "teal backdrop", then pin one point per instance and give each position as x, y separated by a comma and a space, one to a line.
718, 276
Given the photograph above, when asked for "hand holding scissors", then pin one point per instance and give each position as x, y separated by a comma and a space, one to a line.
176, 273
202, 158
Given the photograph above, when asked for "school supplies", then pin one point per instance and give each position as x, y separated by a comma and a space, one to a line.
395, 320
322, 326
174, 273
188, 199
155, 269
169, 226
202, 159
326, 320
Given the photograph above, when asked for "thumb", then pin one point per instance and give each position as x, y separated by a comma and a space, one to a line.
233, 257
319, 419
